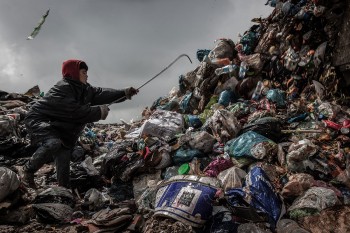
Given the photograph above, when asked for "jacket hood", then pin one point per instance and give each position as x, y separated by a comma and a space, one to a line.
70, 68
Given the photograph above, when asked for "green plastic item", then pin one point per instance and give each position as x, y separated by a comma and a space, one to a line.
184, 169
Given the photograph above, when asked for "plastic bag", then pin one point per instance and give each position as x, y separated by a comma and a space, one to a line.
251, 144
232, 178
276, 96
222, 221
54, 205
95, 200
314, 199
224, 125
225, 48
186, 155
163, 124
226, 97
217, 165
9, 182
260, 194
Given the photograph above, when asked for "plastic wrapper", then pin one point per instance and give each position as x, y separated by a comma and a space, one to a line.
224, 125
251, 144
232, 178
298, 155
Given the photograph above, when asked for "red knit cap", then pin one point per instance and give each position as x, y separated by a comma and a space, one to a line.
70, 68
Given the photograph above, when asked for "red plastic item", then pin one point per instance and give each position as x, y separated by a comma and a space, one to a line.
346, 124
333, 125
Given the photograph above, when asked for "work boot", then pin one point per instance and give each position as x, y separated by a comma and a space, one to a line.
27, 177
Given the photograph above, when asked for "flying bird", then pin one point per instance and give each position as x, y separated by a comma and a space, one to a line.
37, 28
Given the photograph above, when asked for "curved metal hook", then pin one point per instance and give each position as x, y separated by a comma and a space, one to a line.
182, 55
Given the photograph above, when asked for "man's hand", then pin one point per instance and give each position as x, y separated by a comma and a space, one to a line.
130, 91
104, 111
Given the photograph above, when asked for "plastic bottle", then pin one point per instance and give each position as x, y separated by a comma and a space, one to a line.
243, 70
226, 69
257, 93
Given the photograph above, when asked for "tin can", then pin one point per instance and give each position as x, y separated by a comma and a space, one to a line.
187, 199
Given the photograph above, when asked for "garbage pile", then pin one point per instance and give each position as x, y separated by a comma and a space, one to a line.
254, 139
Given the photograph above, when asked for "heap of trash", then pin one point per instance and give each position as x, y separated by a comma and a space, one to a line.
254, 139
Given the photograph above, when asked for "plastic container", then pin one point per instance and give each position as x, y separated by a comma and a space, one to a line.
229, 69
187, 199
184, 169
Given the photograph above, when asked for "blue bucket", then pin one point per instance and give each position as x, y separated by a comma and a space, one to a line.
187, 199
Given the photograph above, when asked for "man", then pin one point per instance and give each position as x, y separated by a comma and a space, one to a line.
56, 121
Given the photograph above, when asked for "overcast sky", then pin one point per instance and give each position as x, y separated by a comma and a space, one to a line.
124, 42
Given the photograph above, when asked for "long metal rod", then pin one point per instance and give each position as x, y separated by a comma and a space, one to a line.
182, 55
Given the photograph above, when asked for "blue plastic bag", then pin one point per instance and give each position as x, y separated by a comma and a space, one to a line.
260, 194
248, 145
186, 155
193, 121
185, 103
226, 97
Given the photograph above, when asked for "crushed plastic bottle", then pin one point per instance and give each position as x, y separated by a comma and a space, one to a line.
257, 92
243, 70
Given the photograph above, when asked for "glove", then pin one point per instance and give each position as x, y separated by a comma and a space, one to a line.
130, 91
104, 111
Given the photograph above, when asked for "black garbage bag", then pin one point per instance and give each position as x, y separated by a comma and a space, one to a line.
54, 205
117, 154
81, 180
269, 127
121, 191
222, 221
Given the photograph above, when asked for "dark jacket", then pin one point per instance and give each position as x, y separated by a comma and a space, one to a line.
66, 108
